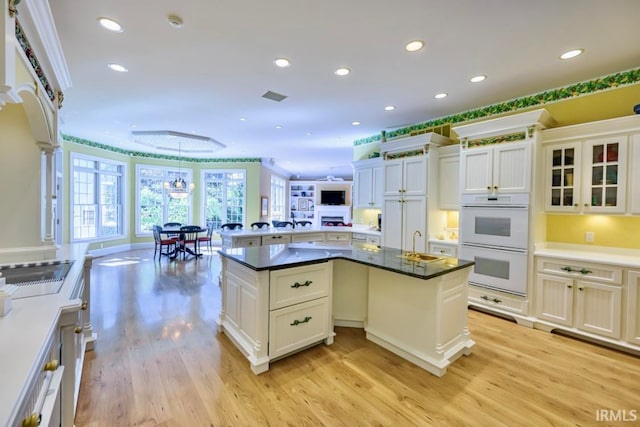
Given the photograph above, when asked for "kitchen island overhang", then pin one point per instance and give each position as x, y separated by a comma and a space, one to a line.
280, 299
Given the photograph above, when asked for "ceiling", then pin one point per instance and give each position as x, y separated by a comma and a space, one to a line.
208, 75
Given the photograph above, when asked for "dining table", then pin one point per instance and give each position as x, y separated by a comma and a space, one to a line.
177, 231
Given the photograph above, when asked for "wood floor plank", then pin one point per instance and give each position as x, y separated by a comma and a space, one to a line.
159, 361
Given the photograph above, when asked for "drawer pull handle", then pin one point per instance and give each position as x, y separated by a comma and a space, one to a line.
306, 283
298, 322
585, 271
52, 365
484, 297
567, 269
497, 301
32, 420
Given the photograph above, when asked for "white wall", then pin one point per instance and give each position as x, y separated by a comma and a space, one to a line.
20, 179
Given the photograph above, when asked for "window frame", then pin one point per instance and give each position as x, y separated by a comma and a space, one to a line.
97, 172
203, 189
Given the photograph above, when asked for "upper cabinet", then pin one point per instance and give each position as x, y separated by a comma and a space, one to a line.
406, 176
449, 177
504, 168
368, 182
586, 167
497, 155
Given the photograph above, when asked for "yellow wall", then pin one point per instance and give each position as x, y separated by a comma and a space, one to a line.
20, 193
612, 231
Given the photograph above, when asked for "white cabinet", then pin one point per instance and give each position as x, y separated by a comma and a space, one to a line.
580, 295
587, 176
275, 239
269, 314
449, 178
504, 168
634, 181
442, 248
368, 181
405, 203
633, 307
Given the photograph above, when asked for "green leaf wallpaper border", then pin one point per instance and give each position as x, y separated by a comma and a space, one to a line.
93, 144
612, 81
512, 137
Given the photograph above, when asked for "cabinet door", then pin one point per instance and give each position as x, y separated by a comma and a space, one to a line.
414, 176
554, 299
598, 308
393, 177
414, 218
449, 182
634, 182
377, 185
633, 308
562, 177
476, 165
362, 186
512, 167
392, 222
604, 175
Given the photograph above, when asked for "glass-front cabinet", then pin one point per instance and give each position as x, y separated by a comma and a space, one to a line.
587, 176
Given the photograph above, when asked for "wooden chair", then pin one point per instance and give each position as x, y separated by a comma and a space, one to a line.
258, 225
189, 236
172, 225
231, 226
283, 224
302, 223
207, 238
159, 243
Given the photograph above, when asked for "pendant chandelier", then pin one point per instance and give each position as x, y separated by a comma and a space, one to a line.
178, 188
162, 141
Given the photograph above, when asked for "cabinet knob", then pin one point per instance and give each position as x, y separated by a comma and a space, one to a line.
51, 365
569, 286
84, 306
576, 205
488, 187
32, 420
586, 205
581, 288
495, 187
78, 330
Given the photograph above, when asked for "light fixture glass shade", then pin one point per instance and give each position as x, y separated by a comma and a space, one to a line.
178, 188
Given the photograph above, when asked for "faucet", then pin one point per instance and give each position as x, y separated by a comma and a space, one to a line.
413, 252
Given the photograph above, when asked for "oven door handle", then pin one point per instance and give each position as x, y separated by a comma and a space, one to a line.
489, 205
494, 248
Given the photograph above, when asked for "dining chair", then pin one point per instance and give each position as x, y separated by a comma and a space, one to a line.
258, 225
172, 225
189, 236
207, 238
303, 223
283, 224
159, 243
231, 226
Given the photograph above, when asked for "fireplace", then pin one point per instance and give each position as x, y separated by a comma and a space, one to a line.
326, 213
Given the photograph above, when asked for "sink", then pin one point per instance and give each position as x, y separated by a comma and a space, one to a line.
420, 257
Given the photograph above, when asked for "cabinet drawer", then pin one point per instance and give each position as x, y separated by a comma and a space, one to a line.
495, 299
244, 242
307, 237
447, 250
299, 284
582, 270
297, 326
338, 237
373, 240
276, 239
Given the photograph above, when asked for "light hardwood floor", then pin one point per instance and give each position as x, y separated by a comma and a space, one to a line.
159, 361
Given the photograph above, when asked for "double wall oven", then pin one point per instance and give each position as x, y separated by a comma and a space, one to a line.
494, 233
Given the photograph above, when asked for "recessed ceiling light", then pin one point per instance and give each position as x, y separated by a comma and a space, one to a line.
355, 123
309, 133
343, 71
278, 127
175, 21
477, 79
414, 46
390, 107
110, 24
243, 119
117, 67
282, 62
571, 53
440, 95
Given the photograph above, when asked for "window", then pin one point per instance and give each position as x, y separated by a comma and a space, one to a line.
155, 206
224, 196
278, 212
96, 205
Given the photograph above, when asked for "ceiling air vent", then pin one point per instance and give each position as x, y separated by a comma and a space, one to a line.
274, 96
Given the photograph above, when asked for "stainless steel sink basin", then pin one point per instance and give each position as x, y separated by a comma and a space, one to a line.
415, 256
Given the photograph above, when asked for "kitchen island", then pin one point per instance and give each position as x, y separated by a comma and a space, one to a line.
280, 299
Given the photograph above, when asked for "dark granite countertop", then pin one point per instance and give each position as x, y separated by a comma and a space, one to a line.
277, 257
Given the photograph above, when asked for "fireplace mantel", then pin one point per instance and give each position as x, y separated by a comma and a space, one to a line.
343, 211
